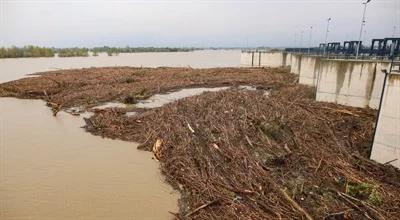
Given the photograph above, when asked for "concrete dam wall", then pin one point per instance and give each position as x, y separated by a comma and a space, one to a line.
356, 83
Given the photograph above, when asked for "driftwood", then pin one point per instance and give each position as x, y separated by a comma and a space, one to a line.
202, 207
295, 204
366, 209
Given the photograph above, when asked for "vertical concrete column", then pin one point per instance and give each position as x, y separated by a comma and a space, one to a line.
386, 146
295, 64
246, 58
378, 84
256, 59
284, 55
310, 66
288, 59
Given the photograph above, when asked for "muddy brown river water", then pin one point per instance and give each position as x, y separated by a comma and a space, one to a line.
51, 169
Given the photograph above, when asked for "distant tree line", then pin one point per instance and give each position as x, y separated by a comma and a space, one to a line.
27, 51
35, 51
72, 52
116, 50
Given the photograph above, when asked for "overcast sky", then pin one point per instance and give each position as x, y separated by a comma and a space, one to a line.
197, 23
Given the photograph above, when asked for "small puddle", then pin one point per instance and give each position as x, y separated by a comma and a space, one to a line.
129, 114
159, 100
111, 105
251, 88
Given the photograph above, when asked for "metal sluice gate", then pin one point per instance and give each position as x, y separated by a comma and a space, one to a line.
386, 48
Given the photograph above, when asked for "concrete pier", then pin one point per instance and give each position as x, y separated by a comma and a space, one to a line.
265, 59
378, 84
309, 68
287, 59
247, 58
386, 146
295, 64
273, 59
349, 82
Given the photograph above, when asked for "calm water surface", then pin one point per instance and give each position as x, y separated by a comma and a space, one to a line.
51, 169
15, 68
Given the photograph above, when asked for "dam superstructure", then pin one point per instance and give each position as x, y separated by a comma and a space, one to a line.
371, 80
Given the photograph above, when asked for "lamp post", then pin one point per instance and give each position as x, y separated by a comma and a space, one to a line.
361, 29
301, 40
309, 40
326, 35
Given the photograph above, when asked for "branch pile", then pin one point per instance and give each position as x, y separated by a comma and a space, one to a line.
240, 154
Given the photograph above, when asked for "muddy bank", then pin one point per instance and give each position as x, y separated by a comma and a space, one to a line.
237, 153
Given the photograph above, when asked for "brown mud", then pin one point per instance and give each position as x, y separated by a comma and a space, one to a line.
237, 154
